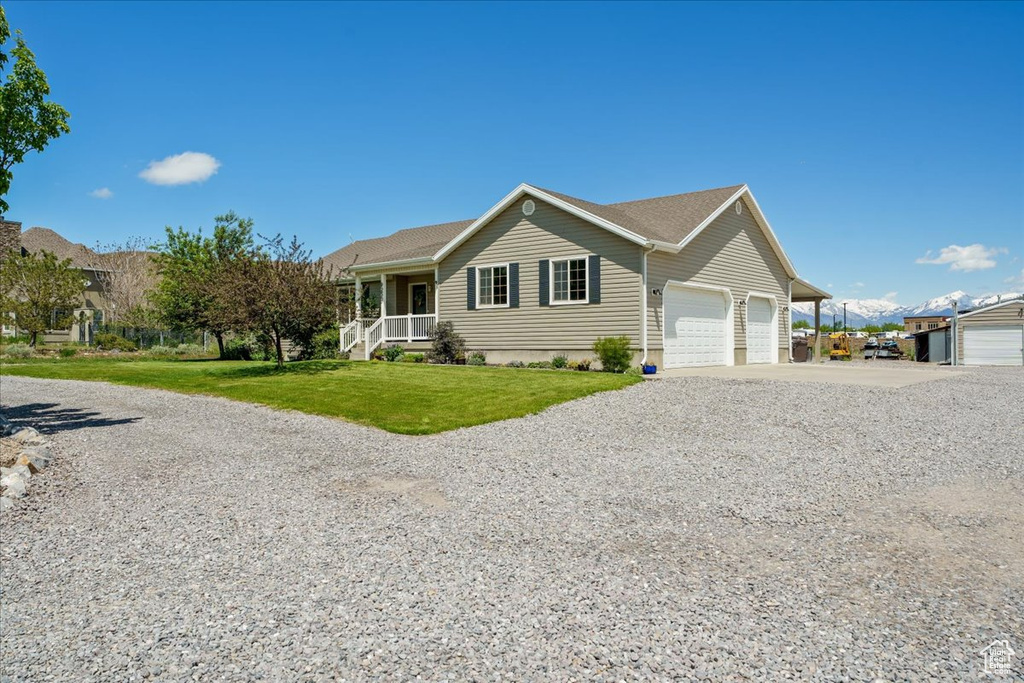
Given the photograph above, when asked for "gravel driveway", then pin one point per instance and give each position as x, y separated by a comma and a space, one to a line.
693, 528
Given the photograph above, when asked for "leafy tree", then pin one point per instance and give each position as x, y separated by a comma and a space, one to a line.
892, 327
41, 291
801, 325
190, 294
872, 329
127, 275
27, 120
281, 290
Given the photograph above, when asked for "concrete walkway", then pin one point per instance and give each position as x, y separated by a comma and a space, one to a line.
892, 374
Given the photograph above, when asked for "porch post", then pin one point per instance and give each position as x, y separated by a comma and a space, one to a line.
383, 295
817, 330
359, 298
437, 293
408, 326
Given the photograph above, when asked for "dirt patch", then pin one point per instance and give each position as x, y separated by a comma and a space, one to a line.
424, 491
9, 449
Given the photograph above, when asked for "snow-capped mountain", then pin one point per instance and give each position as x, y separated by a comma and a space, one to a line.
860, 312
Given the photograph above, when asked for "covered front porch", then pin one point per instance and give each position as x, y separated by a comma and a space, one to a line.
801, 290
389, 307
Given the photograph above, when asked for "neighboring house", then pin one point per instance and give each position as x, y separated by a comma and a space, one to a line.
918, 323
690, 279
92, 308
992, 335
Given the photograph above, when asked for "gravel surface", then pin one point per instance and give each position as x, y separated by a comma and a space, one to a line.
694, 528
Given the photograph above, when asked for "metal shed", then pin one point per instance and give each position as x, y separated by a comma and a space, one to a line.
934, 346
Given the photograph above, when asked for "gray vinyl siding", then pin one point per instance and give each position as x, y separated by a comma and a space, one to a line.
1010, 314
549, 233
732, 252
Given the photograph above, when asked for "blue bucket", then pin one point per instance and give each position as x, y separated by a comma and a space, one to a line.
650, 369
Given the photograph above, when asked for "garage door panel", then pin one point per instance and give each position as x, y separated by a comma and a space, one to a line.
994, 345
696, 327
760, 321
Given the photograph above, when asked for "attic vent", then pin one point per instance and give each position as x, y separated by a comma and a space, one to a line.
529, 207
739, 207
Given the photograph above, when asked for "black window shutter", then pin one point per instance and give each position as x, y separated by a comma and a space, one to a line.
544, 277
594, 273
471, 288
513, 285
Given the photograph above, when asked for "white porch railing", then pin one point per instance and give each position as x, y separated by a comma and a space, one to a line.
350, 335
398, 328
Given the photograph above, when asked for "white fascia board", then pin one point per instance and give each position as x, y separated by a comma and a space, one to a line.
758, 218
808, 285
364, 267
983, 309
524, 189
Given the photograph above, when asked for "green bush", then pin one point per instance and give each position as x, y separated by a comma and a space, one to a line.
325, 346
515, 364
113, 342
476, 358
540, 364
392, 353
249, 347
189, 350
68, 352
412, 358
18, 350
160, 350
614, 353
634, 371
560, 362
446, 345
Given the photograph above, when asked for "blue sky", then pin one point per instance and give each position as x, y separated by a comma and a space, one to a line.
873, 135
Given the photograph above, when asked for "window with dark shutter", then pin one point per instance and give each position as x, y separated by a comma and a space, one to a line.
544, 279
594, 268
513, 285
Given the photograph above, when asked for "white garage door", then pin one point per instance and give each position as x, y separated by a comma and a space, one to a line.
695, 327
994, 345
760, 321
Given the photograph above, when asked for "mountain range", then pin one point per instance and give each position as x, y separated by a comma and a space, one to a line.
861, 312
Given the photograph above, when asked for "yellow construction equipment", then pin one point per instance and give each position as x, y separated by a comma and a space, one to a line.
839, 346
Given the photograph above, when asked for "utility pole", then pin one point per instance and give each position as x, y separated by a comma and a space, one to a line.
844, 317
833, 322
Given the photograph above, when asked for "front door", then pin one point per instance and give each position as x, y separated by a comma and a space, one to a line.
418, 298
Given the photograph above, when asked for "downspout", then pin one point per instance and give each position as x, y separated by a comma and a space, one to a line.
644, 251
789, 320
955, 345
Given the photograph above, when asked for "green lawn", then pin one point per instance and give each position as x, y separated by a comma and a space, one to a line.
406, 398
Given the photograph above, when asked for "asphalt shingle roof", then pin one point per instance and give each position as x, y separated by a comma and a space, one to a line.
665, 219
43, 239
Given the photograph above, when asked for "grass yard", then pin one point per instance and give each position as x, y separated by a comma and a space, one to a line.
406, 398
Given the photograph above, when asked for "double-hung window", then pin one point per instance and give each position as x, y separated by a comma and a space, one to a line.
569, 281
492, 286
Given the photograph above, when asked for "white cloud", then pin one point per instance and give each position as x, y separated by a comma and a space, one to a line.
102, 193
890, 296
1016, 280
858, 285
181, 169
970, 258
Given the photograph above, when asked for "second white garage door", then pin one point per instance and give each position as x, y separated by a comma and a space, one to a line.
993, 345
696, 327
760, 323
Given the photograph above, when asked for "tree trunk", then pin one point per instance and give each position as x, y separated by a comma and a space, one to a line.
280, 353
219, 336
32, 339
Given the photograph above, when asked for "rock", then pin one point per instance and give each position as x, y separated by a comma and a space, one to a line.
5, 503
13, 485
35, 458
22, 471
28, 437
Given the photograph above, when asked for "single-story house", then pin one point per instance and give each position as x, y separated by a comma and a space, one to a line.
991, 335
691, 279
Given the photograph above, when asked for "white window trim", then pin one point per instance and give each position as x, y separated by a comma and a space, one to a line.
508, 297
551, 280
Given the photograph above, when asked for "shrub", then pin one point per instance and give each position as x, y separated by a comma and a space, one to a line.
160, 350
324, 346
412, 358
476, 358
634, 371
18, 350
541, 364
189, 350
236, 349
392, 353
113, 342
560, 362
446, 345
583, 365
515, 364
68, 352
614, 353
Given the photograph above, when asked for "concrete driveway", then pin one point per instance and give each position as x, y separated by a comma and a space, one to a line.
892, 374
